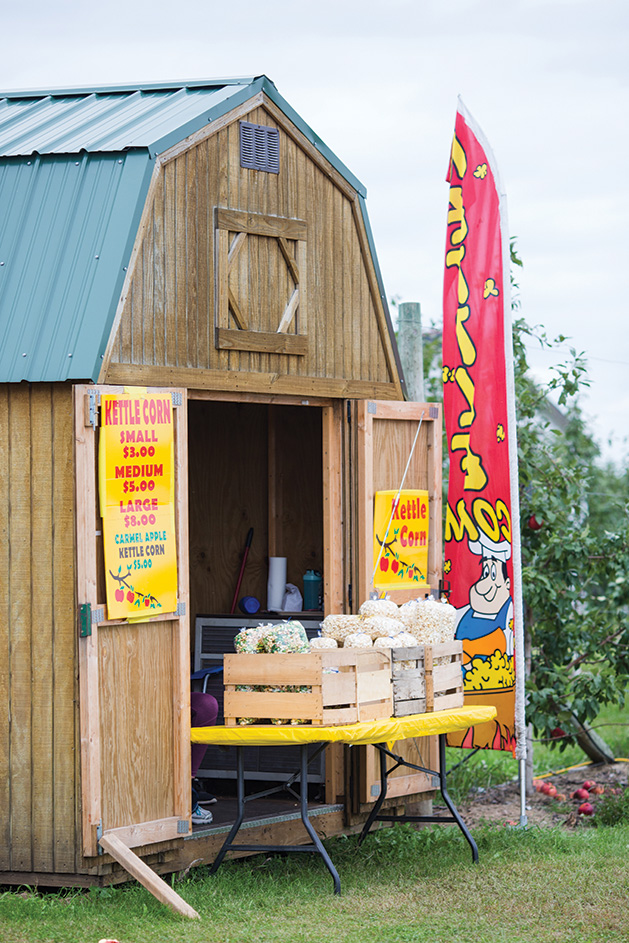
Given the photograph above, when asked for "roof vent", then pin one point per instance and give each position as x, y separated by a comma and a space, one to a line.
259, 147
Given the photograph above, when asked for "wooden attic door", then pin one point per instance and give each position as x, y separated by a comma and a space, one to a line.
389, 437
261, 283
134, 678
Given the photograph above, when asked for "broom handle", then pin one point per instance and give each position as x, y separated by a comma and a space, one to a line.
242, 569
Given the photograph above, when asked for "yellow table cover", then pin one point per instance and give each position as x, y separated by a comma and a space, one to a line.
375, 731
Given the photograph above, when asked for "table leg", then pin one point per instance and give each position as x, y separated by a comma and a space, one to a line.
454, 816
373, 815
240, 785
317, 845
448, 801
308, 824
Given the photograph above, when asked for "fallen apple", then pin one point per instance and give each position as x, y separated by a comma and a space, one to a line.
597, 790
552, 791
560, 797
586, 808
580, 794
589, 784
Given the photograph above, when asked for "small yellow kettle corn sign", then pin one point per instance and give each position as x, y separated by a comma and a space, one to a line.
400, 539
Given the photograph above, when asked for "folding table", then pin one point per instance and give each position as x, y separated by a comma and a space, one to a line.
381, 734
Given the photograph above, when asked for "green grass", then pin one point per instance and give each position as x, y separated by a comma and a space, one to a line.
550, 885
401, 886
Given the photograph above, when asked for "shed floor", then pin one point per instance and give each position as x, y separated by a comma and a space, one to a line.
282, 808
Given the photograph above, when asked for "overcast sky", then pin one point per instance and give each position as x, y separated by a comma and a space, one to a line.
546, 80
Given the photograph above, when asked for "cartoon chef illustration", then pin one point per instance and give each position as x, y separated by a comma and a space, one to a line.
486, 625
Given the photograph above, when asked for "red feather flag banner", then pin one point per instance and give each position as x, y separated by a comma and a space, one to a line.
482, 527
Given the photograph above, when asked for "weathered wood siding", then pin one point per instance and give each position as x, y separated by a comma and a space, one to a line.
38, 673
178, 286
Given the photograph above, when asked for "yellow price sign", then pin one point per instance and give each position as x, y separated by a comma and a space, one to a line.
137, 489
400, 544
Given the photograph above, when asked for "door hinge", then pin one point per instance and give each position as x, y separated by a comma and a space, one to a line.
183, 827
94, 396
181, 609
89, 617
372, 407
85, 620
176, 398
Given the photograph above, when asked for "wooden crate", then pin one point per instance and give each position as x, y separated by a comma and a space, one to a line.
358, 690
425, 686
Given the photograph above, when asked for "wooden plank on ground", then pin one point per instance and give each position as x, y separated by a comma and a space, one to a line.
142, 873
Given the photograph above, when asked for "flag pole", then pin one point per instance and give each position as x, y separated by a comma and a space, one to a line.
461, 294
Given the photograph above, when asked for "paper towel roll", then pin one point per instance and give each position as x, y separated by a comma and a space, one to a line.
276, 586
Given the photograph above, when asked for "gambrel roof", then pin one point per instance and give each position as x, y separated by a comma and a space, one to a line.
75, 168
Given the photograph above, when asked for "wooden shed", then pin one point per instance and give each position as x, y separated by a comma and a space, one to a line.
200, 240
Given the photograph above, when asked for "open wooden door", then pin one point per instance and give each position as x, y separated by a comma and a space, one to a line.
386, 441
134, 677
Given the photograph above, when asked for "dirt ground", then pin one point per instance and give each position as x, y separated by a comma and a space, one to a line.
502, 803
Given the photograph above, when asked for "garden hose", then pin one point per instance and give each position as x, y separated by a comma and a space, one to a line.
567, 769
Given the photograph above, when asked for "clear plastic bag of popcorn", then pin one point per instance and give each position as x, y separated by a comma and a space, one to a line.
320, 643
358, 640
429, 621
338, 626
379, 607
382, 626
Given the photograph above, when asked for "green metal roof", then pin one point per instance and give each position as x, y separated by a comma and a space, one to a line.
75, 167
67, 229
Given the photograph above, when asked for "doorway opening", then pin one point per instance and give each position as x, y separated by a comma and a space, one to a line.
252, 467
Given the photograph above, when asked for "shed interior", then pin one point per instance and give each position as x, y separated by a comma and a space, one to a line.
251, 465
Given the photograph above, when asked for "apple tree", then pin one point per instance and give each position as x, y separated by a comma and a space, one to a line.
575, 554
